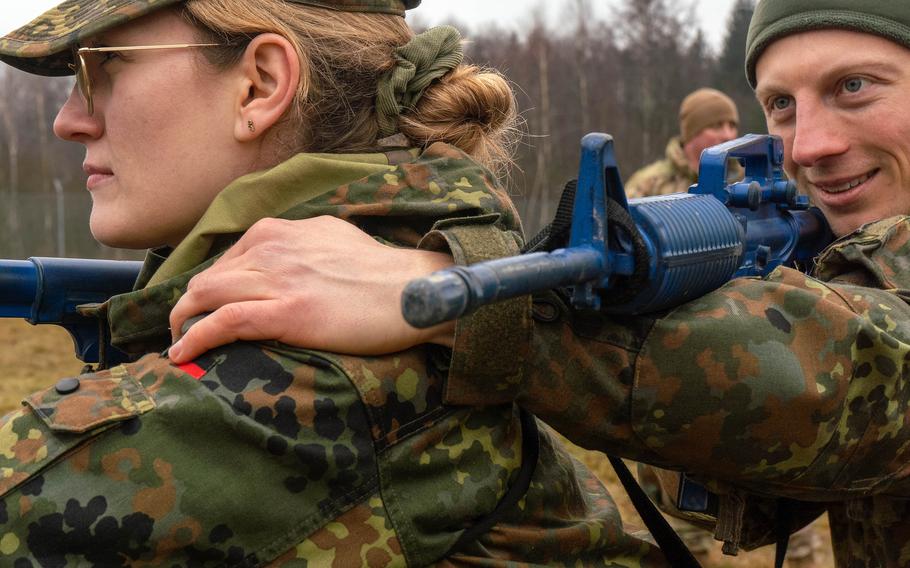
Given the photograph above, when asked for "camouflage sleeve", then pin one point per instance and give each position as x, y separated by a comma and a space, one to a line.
789, 385
153, 464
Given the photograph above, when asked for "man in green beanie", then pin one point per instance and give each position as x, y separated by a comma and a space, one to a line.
787, 396
707, 117
833, 79
840, 104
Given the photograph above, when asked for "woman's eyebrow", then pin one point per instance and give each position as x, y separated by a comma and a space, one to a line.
108, 38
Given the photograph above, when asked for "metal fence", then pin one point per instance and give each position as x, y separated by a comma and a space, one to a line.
51, 224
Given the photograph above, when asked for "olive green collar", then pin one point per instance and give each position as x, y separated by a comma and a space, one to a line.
265, 194
139, 319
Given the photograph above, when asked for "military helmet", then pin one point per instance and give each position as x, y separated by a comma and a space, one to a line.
44, 45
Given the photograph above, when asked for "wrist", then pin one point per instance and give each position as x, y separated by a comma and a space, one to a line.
426, 263
442, 334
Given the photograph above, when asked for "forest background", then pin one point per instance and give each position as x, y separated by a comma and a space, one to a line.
623, 73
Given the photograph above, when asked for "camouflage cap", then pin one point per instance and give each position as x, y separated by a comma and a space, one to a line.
43, 45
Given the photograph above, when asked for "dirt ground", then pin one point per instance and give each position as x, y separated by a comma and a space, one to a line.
35, 357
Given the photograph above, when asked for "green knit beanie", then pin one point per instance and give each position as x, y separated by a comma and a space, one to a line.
774, 19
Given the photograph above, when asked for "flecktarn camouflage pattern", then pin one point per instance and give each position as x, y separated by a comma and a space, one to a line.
671, 174
267, 455
44, 45
796, 385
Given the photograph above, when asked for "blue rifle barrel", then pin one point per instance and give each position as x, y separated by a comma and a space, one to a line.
448, 294
18, 287
49, 291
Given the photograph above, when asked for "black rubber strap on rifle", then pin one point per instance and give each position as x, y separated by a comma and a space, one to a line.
669, 542
618, 217
556, 234
530, 453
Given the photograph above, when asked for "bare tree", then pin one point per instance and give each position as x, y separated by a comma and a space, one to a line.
582, 15
8, 103
729, 72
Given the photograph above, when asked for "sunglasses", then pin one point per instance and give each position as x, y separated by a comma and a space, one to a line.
84, 80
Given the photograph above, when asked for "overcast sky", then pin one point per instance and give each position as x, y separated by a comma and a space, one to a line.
510, 14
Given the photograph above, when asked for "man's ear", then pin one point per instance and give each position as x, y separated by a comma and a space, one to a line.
270, 74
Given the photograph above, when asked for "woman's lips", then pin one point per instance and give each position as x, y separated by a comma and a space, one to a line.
97, 176
96, 180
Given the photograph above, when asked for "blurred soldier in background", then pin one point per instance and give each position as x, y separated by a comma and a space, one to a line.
707, 117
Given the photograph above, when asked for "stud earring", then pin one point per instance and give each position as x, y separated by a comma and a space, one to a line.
251, 126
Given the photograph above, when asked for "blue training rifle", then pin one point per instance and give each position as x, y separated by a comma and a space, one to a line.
682, 246
50, 291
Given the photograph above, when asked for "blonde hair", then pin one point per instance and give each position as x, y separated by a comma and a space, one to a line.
342, 57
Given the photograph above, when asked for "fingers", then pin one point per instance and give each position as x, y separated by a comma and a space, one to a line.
212, 289
319, 283
250, 321
263, 232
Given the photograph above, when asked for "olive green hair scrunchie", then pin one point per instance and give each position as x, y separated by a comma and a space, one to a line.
427, 57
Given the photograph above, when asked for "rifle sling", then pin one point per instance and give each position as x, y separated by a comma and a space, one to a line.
667, 539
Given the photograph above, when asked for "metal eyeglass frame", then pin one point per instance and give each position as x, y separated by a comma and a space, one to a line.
84, 81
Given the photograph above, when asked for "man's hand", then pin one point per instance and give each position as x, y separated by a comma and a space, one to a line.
317, 283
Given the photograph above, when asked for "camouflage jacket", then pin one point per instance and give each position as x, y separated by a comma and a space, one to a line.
672, 174
267, 455
785, 387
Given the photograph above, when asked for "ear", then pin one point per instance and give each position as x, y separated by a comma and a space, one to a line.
270, 74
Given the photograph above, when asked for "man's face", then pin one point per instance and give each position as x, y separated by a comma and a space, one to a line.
713, 135
839, 100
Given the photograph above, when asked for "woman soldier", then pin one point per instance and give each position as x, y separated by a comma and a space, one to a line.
198, 119
787, 395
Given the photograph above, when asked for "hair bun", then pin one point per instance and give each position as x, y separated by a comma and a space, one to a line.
471, 108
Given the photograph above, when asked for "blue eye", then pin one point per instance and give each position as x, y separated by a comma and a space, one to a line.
780, 103
854, 84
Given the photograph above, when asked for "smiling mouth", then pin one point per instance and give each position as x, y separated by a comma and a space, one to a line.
847, 185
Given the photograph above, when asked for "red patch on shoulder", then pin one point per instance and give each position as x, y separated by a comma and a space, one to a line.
192, 369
